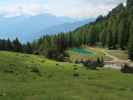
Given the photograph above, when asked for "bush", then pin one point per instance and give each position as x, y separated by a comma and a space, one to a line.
76, 75
56, 54
34, 69
75, 68
100, 62
9, 71
57, 64
77, 62
90, 65
50, 76
130, 56
127, 69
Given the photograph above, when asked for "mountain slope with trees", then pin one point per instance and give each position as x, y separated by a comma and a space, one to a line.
114, 31
26, 28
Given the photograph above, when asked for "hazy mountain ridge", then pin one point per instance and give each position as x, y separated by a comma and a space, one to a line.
66, 27
25, 26
29, 28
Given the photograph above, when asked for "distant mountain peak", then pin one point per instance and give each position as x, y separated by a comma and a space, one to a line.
26, 28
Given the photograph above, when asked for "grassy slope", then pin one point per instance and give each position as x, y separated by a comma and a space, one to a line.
55, 81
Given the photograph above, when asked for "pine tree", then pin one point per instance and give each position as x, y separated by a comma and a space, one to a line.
131, 42
17, 45
9, 45
129, 3
92, 36
28, 48
110, 40
103, 37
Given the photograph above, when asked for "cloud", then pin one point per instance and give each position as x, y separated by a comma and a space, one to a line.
20, 9
82, 8
71, 8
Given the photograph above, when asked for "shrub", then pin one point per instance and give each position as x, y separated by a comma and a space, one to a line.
57, 64
35, 69
127, 69
77, 62
9, 71
75, 68
90, 65
100, 62
56, 54
130, 56
50, 76
76, 75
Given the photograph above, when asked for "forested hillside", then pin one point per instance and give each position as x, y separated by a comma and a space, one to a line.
114, 31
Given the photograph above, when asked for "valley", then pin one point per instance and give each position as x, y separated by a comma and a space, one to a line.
56, 56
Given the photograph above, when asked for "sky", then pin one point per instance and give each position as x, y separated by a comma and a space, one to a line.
68, 8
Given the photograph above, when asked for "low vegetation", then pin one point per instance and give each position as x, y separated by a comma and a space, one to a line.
127, 69
29, 77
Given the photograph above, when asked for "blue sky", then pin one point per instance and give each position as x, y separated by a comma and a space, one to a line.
70, 8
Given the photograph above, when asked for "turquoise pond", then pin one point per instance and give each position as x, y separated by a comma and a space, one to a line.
84, 52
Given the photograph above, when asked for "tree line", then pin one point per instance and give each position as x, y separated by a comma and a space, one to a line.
15, 45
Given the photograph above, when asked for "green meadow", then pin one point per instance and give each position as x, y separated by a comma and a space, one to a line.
30, 77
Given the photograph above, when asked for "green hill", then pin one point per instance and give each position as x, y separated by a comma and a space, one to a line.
30, 77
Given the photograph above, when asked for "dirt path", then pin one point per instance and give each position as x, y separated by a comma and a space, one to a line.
115, 63
111, 56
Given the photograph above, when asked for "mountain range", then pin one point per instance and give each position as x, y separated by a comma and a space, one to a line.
29, 28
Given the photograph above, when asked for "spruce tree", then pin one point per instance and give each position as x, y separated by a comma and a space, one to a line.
110, 40
9, 45
28, 48
131, 42
129, 3
17, 45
